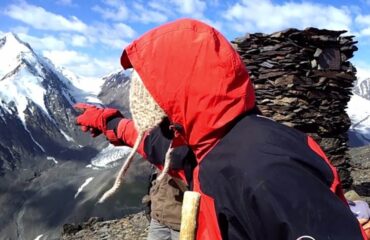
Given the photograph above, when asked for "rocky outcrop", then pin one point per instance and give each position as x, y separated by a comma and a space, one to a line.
303, 79
134, 226
361, 170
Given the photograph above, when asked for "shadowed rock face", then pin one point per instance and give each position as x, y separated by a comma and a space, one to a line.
361, 170
303, 79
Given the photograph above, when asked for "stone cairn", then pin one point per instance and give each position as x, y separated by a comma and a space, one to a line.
303, 79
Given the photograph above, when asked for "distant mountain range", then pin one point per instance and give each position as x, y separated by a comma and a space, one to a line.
359, 112
115, 91
50, 172
362, 88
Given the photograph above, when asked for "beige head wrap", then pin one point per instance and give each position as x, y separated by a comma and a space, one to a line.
146, 114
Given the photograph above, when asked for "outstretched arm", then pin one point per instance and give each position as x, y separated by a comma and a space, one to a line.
154, 147
121, 131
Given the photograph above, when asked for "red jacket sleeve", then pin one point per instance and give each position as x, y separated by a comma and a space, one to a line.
127, 133
153, 147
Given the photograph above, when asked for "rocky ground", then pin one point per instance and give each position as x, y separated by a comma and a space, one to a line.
360, 158
136, 226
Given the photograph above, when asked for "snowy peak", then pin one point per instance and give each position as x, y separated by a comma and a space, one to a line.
36, 112
21, 75
26, 78
362, 88
115, 91
12, 43
13, 52
359, 112
22, 88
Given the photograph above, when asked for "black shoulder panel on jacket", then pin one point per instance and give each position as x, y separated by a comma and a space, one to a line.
156, 145
268, 184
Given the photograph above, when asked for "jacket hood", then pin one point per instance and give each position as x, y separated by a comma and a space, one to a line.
195, 76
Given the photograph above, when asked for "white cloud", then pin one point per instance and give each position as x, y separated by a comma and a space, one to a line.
113, 36
158, 11
114, 43
51, 42
65, 2
363, 73
175, 8
117, 10
124, 30
97, 67
66, 57
265, 16
145, 15
82, 64
363, 19
363, 23
78, 41
194, 8
161, 6
363, 70
20, 29
43, 43
39, 18
114, 3
365, 31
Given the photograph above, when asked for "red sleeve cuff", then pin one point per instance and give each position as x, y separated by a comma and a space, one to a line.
126, 131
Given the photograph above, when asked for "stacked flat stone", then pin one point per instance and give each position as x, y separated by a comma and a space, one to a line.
303, 79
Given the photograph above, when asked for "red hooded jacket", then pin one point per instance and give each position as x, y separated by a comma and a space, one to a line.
254, 184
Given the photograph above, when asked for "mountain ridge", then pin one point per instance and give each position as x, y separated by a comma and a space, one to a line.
359, 111
44, 156
362, 88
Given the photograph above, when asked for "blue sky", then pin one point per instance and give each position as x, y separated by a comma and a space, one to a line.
87, 37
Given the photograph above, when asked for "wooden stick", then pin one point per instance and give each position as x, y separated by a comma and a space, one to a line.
189, 214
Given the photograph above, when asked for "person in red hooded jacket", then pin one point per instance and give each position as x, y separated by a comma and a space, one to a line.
258, 179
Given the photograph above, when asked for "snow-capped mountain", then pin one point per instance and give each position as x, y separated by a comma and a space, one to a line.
362, 88
51, 173
115, 91
83, 89
36, 101
359, 112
